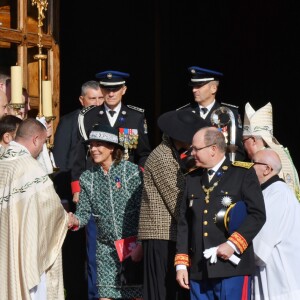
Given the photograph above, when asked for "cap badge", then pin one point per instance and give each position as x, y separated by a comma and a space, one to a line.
109, 75
193, 71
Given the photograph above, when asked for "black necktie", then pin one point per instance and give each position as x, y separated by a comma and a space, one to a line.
210, 172
204, 110
112, 112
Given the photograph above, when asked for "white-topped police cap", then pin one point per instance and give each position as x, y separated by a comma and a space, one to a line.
104, 133
112, 79
201, 76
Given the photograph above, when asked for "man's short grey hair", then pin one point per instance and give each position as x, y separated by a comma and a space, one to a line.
92, 84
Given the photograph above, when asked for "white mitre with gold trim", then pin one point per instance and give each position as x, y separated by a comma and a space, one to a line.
260, 123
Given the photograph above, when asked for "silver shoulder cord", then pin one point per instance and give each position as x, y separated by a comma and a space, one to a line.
81, 127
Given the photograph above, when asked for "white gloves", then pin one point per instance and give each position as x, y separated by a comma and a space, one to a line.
212, 254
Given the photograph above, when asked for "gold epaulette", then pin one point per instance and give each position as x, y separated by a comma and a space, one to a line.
243, 164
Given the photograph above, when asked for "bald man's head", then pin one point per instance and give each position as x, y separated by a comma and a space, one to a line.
3, 104
267, 163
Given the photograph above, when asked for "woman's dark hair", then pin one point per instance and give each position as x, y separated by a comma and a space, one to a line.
117, 155
8, 123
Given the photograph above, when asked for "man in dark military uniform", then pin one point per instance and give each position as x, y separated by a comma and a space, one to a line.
132, 125
205, 83
220, 261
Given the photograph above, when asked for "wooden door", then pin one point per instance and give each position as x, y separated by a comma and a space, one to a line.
19, 39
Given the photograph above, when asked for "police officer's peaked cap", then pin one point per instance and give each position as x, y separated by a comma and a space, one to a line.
180, 125
112, 79
201, 76
104, 133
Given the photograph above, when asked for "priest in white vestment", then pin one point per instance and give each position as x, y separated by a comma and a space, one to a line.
277, 245
33, 223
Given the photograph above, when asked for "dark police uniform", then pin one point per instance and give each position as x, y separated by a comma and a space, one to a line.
197, 228
200, 77
240, 152
132, 127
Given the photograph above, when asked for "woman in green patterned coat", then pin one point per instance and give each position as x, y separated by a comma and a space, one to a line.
111, 192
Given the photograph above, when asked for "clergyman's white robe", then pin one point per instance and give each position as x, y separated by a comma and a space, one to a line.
277, 246
33, 226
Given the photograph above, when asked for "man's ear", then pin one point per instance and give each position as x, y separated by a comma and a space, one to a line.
124, 90
81, 100
35, 139
268, 170
6, 137
213, 87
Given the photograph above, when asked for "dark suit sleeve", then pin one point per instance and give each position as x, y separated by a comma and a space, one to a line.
255, 206
143, 149
79, 164
183, 233
256, 214
183, 226
62, 143
80, 149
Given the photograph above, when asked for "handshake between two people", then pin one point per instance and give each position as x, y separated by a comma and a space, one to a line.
73, 222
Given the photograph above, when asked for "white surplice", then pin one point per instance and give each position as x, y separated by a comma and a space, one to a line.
277, 246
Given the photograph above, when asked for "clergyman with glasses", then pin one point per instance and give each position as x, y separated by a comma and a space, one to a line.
258, 135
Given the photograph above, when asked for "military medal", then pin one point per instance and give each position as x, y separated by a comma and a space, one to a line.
135, 137
226, 201
118, 182
121, 135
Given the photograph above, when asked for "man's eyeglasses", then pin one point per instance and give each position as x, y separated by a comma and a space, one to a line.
198, 149
263, 164
244, 140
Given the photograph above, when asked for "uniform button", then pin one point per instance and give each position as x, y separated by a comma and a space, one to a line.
205, 211
205, 234
205, 222
206, 201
